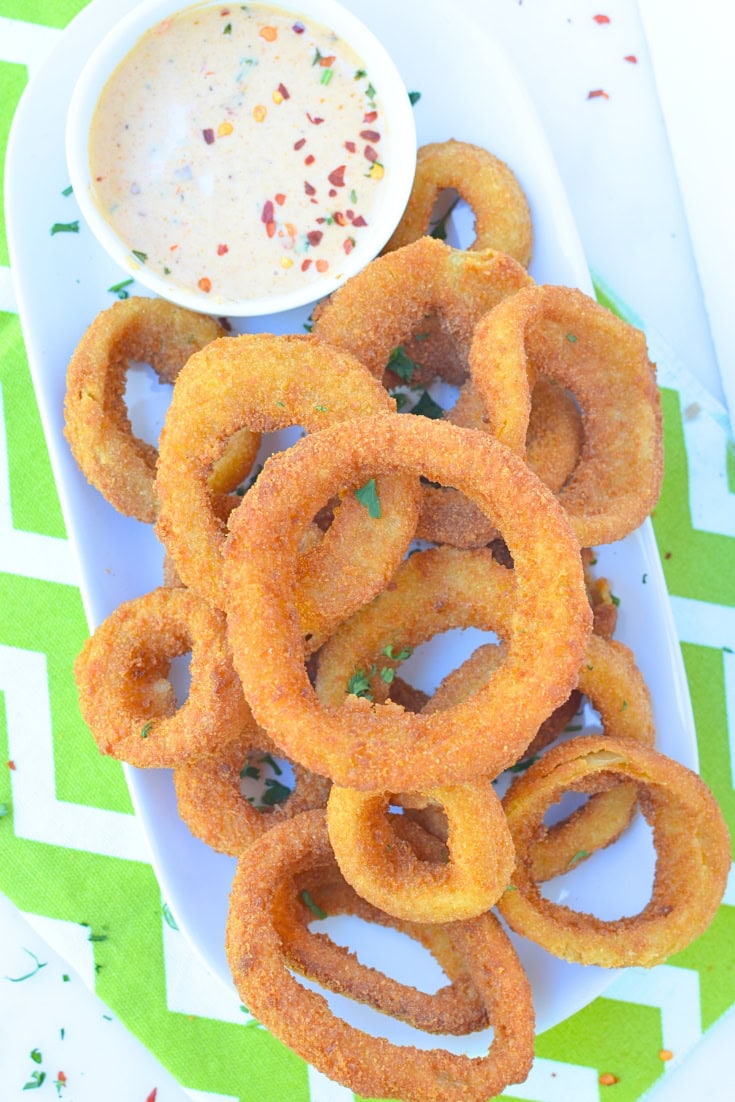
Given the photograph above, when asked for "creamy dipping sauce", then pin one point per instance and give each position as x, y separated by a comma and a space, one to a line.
238, 150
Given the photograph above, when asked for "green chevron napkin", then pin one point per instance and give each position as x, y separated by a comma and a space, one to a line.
65, 814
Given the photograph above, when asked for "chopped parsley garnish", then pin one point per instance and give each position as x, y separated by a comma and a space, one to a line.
67, 191
579, 856
142, 257
387, 674
64, 227
38, 966
360, 73
402, 655
4, 810
314, 907
522, 766
35, 1081
571, 338
402, 364
370, 92
359, 684
275, 793
615, 600
414, 97
439, 229
119, 288
146, 729
270, 760
427, 407
250, 771
400, 399
227, 29
168, 917
326, 76
36, 1056
367, 495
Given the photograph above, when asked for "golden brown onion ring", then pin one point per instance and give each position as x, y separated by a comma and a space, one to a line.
212, 804
375, 311
455, 1008
381, 747
553, 445
267, 383
563, 334
125, 696
120, 465
300, 1018
689, 834
385, 870
488, 186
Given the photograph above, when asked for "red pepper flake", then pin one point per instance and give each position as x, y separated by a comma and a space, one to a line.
607, 1079
222, 249
205, 284
322, 265
284, 91
597, 94
298, 28
666, 556
314, 118
337, 176
270, 229
309, 188
61, 1078
666, 1054
370, 135
280, 198
152, 1096
208, 135
320, 221
332, 193
370, 153
601, 19
310, 159
631, 58
325, 62
348, 245
305, 265
350, 147
300, 143
314, 237
370, 116
270, 34
11, 765
359, 221
267, 212
224, 12
339, 218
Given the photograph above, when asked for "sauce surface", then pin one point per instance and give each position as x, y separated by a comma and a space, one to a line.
238, 150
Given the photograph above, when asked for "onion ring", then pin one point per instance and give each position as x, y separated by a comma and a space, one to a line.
267, 383
386, 871
692, 854
125, 696
381, 747
120, 465
301, 1019
488, 186
455, 1008
211, 802
376, 310
553, 445
603, 362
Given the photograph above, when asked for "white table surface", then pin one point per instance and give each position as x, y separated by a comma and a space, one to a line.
614, 158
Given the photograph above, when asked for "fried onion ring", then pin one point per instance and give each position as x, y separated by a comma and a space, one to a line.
211, 802
386, 871
405, 286
563, 334
381, 747
115, 461
125, 696
455, 1008
488, 186
553, 445
267, 383
301, 1018
692, 854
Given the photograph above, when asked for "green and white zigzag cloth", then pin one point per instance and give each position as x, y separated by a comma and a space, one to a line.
71, 847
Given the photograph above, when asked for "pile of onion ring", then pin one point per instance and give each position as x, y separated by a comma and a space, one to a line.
300, 749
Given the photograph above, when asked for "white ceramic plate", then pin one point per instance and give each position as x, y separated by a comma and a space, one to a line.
467, 92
